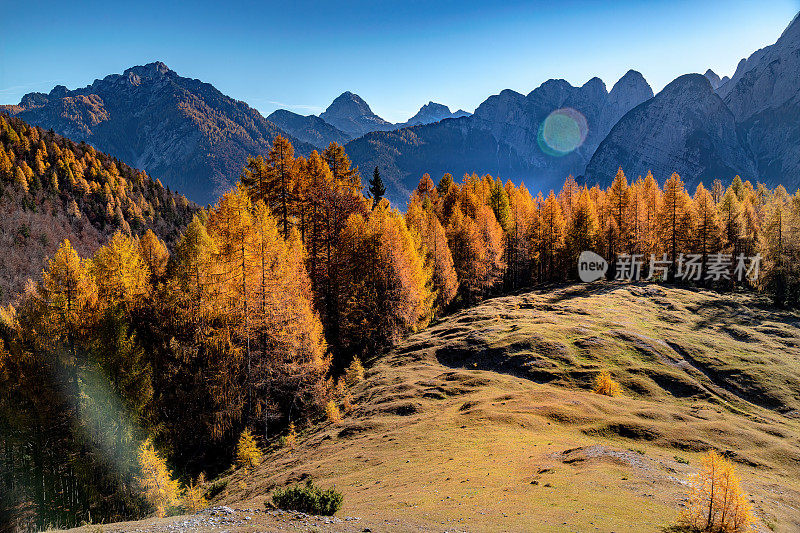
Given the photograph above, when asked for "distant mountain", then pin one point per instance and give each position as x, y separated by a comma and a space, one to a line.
686, 128
181, 130
433, 112
764, 97
504, 136
310, 129
350, 114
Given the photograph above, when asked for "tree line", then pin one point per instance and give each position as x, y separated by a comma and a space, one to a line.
264, 300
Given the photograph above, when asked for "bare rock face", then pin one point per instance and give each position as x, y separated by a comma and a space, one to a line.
350, 114
713, 79
631, 90
686, 128
310, 129
764, 97
180, 130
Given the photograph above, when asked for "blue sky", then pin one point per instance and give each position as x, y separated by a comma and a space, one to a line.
396, 55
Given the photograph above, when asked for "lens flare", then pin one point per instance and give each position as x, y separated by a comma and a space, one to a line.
563, 131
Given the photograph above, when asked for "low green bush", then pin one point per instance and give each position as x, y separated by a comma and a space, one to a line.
308, 499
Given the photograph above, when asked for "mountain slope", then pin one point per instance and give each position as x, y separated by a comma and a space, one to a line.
350, 114
686, 128
452, 145
310, 129
460, 420
486, 421
503, 137
180, 130
71, 191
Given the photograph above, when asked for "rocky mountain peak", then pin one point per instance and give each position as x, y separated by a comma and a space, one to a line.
350, 104
155, 69
182, 131
712, 77
351, 114
632, 83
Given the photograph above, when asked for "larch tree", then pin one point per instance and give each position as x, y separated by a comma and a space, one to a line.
231, 224
274, 181
618, 203
716, 501
421, 219
778, 246
67, 309
582, 227
154, 253
498, 201
519, 255
708, 234
552, 235
387, 293
340, 167
731, 212
674, 216
121, 273
649, 222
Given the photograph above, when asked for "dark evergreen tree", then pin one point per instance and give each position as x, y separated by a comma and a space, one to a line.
376, 188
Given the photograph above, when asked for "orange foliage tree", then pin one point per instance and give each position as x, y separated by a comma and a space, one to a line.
716, 501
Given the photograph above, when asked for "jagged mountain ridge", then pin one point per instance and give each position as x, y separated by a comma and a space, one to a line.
180, 130
501, 137
432, 112
752, 128
308, 128
353, 114
764, 96
686, 128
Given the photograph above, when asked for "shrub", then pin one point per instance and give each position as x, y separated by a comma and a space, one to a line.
603, 384
354, 372
247, 453
290, 440
308, 499
332, 412
194, 499
716, 501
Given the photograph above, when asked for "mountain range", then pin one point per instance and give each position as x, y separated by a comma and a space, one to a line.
196, 139
503, 136
349, 117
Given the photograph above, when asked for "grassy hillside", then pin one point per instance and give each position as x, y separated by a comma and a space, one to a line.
486, 420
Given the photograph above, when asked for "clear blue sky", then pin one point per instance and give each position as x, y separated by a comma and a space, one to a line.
396, 55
